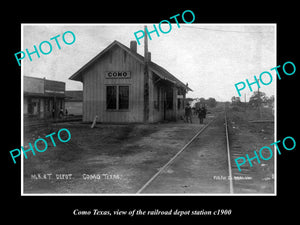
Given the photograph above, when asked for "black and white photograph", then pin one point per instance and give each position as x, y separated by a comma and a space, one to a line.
154, 109
149, 113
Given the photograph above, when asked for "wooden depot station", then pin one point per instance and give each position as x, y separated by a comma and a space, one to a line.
122, 86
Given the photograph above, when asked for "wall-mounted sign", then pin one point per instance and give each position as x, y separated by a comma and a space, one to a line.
56, 92
117, 74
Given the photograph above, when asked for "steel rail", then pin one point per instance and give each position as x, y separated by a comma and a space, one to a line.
228, 156
172, 159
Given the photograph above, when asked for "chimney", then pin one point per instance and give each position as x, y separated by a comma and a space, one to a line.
133, 46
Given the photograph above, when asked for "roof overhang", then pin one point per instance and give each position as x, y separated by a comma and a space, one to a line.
158, 70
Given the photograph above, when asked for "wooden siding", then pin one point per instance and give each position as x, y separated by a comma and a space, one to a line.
158, 112
94, 88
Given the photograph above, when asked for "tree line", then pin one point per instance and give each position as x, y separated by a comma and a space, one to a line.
256, 100
210, 102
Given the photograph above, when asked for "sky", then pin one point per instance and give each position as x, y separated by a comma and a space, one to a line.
211, 58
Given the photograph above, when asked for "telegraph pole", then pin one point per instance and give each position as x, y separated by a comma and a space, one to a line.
257, 60
146, 78
245, 101
259, 102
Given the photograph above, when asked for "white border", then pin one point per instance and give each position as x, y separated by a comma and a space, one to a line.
22, 116
134, 194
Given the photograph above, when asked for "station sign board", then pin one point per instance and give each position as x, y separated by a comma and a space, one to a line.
117, 75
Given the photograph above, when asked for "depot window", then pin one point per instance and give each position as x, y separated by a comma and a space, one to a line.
117, 97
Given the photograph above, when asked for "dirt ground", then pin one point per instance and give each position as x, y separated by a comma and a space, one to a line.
106, 159
195, 171
120, 159
203, 167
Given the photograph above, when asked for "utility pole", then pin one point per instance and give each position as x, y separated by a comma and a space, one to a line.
257, 60
245, 101
259, 102
146, 78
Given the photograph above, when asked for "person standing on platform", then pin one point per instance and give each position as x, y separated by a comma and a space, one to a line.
188, 113
201, 114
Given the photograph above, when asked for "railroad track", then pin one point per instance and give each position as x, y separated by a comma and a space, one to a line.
203, 165
228, 154
171, 160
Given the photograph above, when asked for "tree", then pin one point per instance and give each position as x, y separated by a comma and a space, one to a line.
270, 101
235, 100
257, 99
202, 100
211, 102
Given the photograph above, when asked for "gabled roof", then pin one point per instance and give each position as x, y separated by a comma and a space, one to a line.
160, 71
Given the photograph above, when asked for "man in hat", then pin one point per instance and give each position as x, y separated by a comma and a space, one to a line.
188, 113
201, 114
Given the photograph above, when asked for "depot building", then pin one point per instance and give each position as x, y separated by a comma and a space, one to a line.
120, 85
